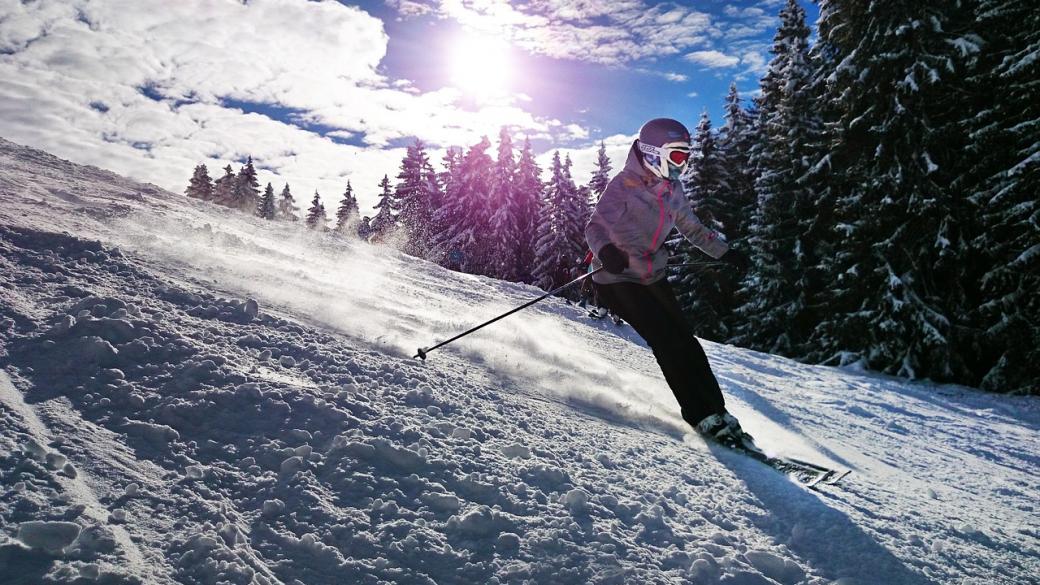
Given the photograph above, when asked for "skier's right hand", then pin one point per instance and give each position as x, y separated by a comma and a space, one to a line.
613, 258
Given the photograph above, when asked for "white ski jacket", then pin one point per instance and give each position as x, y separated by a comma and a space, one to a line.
636, 213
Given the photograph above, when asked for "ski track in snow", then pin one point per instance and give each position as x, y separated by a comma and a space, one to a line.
157, 429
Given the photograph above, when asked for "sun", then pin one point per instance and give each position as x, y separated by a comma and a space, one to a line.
481, 66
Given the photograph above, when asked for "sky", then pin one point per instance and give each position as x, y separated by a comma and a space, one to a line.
322, 92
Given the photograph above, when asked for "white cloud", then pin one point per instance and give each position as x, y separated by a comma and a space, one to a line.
672, 76
161, 75
712, 59
408, 8
602, 32
755, 62
584, 157
614, 32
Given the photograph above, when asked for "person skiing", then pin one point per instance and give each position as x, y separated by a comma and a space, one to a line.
627, 231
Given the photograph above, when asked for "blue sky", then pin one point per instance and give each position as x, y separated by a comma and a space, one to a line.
321, 92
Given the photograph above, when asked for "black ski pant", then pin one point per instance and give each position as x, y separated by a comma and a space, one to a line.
654, 313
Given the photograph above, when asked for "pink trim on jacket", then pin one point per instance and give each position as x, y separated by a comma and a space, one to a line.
657, 232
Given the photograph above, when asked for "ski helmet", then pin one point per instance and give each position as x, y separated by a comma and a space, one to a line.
665, 147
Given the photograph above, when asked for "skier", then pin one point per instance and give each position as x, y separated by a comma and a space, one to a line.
627, 231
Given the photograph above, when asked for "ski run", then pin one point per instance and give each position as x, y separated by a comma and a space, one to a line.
190, 395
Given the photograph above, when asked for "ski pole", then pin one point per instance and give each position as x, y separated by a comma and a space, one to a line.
422, 352
697, 264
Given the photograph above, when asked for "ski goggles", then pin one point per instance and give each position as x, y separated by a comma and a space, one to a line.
677, 153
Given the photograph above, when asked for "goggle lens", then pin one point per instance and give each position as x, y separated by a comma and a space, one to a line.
678, 157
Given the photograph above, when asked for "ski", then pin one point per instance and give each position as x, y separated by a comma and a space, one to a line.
808, 474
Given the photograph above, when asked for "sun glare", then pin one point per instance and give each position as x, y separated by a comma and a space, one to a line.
481, 66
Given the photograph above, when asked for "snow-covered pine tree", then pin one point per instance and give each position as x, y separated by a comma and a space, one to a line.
200, 186
449, 177
247, 188
450, 180
1002, 179
416, 195
463, 242
897, 302
735, 140
577, 210
778, 313
558, 254
600, 176
224, 188
316, 218
585, 195
705, 294
266, 209
527, 194
347, 215
505, 249
384, 223
287, 206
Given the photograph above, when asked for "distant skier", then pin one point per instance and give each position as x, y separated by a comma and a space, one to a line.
628, 228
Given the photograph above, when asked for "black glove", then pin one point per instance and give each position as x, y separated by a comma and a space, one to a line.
613, 258
737, 259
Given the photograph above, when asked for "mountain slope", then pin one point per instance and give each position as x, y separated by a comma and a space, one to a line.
194, 396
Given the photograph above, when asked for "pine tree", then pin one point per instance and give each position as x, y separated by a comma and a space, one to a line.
463, 242
224, 188
577, 211
896, 301
706, 295
266, 208
561, 242
527, 196
505, 251
348, 213
287, 206
735, 141
601, 176
785, 239
316, 218
416, 195
247, 188
1001, 179
200, 186
384, 222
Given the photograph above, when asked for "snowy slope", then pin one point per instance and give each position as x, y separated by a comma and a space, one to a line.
193, 396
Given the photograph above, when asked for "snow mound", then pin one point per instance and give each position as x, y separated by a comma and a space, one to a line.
48, 536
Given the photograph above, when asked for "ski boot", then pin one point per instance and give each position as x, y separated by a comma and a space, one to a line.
725, 430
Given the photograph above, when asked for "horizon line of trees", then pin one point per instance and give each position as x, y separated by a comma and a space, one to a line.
884, 192
480, 215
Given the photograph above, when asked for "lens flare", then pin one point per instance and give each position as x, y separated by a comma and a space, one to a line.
481, 66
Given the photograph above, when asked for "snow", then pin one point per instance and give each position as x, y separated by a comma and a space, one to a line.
192, 396
49, 536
